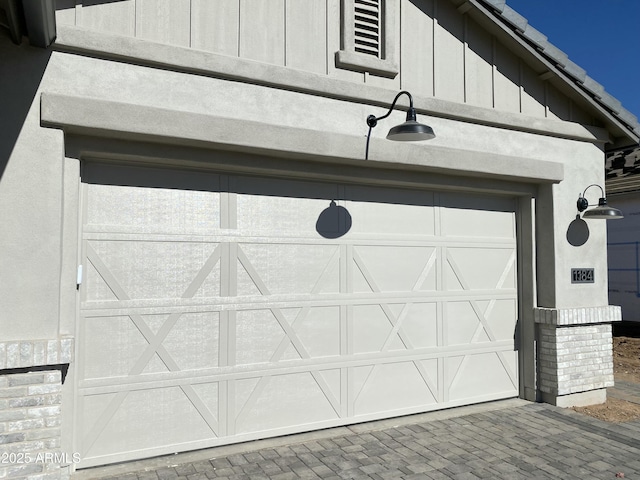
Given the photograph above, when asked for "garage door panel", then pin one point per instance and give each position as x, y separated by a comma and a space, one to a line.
167, 211
469, 377
142, 199
392, 386
194, 341
133, 424
391, 219
477, 216
257, 337
397, 269
373, 330
300, 333
149, 270
248, 282
420, 324
286, 188
279, 216
391, 212
480, 321
465, 324
509, 359
98, 289
481, 268
459, 223
88, 412
113, 358
319, 331
225, 315
277, 269
154, 365
363, 194
499, 313
333, 385
280, 401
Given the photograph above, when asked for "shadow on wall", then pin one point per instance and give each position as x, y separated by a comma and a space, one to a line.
334, 221
578, 232
21, 70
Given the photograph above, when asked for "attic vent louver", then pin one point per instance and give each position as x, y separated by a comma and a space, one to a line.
369, 37
367, 27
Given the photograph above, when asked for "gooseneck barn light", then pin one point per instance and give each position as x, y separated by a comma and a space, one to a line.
409, 131
602, 211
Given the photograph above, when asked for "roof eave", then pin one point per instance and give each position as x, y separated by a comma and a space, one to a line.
622, 124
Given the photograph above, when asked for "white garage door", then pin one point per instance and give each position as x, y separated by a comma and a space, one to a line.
216, 309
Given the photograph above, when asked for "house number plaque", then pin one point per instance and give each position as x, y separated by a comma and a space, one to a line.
582, 275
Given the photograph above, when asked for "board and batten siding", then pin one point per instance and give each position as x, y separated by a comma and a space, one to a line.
444, 54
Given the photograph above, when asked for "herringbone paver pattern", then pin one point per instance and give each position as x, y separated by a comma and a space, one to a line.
520, 442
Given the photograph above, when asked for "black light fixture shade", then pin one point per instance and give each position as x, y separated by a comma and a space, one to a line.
409, 131
602, 211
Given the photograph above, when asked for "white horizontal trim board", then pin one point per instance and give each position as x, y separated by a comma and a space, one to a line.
101, 386
356, 240
218, 304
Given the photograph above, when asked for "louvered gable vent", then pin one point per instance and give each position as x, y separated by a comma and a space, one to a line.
367, 27
369, 37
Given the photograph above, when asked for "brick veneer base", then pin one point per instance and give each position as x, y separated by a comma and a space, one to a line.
575, 349
31, 377
30, 353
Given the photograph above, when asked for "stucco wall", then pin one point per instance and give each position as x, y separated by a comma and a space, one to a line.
30, 201
578, 243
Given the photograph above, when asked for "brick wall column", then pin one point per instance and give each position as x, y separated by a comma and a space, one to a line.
31, 376
575, 354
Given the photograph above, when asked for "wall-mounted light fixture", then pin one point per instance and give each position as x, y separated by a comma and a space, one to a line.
409, 131
602, 211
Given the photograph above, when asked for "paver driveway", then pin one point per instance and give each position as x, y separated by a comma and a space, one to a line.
502, 440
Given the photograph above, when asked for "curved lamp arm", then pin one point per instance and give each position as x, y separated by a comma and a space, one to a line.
583, 203
372, 120
602, 211
409, 131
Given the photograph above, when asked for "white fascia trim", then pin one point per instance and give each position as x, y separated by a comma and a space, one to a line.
103, 118
143, 52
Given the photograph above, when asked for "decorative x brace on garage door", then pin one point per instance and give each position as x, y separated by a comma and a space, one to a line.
154, 344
